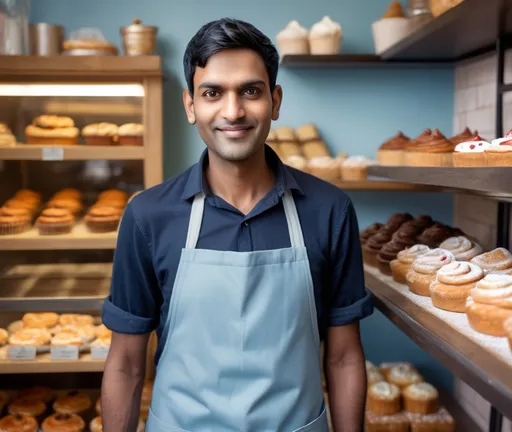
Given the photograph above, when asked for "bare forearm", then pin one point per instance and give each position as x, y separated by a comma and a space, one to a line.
347, 394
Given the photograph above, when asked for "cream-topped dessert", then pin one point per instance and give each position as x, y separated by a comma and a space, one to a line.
499, 152
293, 39
325, 37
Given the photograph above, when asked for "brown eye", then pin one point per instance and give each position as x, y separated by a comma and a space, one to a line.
211, 93
252, 91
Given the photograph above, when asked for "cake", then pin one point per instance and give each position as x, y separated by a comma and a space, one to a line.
100, 134
499, 153
424, 268
433, 151
325, 37
471, 153
293, 39
391, 152
131, 134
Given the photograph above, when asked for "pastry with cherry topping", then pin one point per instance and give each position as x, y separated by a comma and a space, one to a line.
471, 153
499, 153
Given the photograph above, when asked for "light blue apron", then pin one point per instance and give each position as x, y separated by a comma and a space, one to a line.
242, 351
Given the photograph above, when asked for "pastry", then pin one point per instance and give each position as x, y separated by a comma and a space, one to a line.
396, 220
273, 142
39, 393
355, 168
403, 238
498, 260
15, 326
43, 136
24, 204
4, 337
102, 219
76, 319
499, 153
434, 151
453, 283
115, 194
508, 330
110, 202
462, 248
403, 376
422, 138
471, 153
37, 337
325, 37
383, 398
100, 134
489, 304
424, 268
67, 337
373, 376
87, 332
439, 7
369, 231
91, 46
28, 194
434, 235
293, 39
421, 398
387, 366
54, 221
391, 152
74, 402
440, 421
325, 168
68, 193
40, 319
389, 423
465, 135
102, 341
374, 244
14, 220
26, 406
63, 422
18, 423
312, 144
6, 136
102, 330
297, 162
73, 206
53, 122
131, 134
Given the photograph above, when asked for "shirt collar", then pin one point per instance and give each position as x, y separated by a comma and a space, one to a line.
284, 176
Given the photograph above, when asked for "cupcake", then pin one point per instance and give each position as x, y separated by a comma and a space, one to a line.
297, 162
293, 39
462, 248
72, 205
6, 136
100, 134
424, 270
499, 153
28, 204
471, 153
325, 37
434, 235
432, 151
391, 28
396, 220
53, 221
369, 231
102, 219
74, 402
18, 423
383, 398
355, 168
374, 244
63, 422
14, 220
325, 168
391, 152
421, 398
387, 366
465, 135
403, 262
131, 134
403, 377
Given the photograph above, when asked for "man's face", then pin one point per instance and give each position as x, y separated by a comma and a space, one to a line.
232, 104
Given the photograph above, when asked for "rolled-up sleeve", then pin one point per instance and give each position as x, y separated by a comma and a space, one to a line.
349, 301
133, 305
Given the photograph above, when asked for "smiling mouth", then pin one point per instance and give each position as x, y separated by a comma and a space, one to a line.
236, 131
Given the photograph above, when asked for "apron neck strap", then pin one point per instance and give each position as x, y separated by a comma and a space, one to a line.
290, 210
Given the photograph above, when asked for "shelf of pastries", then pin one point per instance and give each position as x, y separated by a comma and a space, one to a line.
50, 342
449, 295
303, 148
47, 409
64, 221
400, 398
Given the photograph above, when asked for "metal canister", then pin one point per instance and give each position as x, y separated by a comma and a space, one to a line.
46, 39
139, 39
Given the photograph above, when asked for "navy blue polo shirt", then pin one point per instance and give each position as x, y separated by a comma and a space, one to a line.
153, 231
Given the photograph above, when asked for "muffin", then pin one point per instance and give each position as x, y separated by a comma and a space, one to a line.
355, 168
18, 423
14, 220
54, 221
102, 219
424, 270
421, 398
403, 377
391, 152
74, 402
386, 367
293, 39
63, 422
28, 204
325, 37
26, 406
72, 205
383, 398
100, 134
131, 134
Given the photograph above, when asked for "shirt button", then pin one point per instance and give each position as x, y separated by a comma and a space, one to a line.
246, 224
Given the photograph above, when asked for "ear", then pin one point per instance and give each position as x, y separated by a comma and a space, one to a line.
188, 102
277, 98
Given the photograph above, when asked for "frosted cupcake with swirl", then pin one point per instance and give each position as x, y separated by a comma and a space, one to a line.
293, 39
434, 150
424, 268
498, 261
403, 262
325, 37
462, 248
471, 153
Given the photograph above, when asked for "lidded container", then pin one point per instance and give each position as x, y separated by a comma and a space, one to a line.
139, 39
14, 29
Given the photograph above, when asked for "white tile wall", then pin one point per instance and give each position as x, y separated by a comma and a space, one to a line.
475, 106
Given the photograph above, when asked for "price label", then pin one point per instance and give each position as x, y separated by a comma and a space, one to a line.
21, 353
65, 353
99, 352
53, 153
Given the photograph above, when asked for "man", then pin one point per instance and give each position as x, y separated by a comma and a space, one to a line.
241, 265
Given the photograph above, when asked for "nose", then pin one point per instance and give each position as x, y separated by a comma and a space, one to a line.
232, 107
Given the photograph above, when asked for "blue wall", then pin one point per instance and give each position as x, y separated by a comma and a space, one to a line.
355, 109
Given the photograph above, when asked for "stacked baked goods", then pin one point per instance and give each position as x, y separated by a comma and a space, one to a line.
391, 28
18, 212
6, 136
324, 37
105, 214
108, 134
52, 130
402, 401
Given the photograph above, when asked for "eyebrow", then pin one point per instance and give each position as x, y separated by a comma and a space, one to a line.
215, 86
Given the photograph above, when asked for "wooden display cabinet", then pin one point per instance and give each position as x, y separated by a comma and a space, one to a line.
71, 273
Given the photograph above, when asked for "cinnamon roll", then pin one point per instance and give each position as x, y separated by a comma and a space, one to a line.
489, 304
18, 423
424, 268
498, 260
369, 231
434, 235
462, 248
383, 398
63, 422
402, 264
453, 283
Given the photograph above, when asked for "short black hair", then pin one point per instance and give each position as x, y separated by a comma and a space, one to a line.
228, 33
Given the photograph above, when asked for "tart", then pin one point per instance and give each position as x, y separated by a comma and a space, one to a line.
39, 393
325, 168
403, 376
102, 219
424, 269
53, 221
383, 398
421, 398
391, 152
434, 151
462, 248
131, 134
498, 260
40, 320
76, 319
43, 136
454, 281
100, 134
74, 402
325, 37
14, 220
499, 153
26, 406
471, 153
293, 39
18, 423
63, 422
441, 421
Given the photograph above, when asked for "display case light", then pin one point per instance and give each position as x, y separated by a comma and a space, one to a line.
72, 90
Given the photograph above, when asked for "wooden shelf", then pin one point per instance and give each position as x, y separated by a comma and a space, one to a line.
468, 29
72, 152
371, 184
484, 362
51, 67
79, 238
495, 181
346, 60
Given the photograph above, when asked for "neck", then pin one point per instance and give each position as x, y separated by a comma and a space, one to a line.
242, 184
